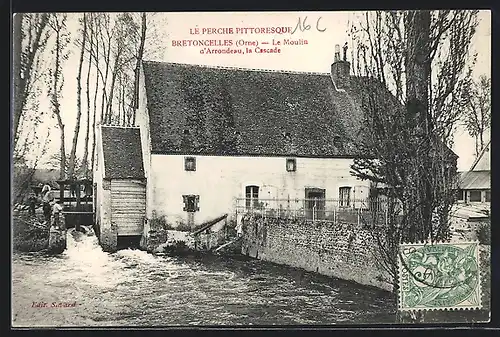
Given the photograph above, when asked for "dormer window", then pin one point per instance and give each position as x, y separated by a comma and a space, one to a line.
337, 140
291, 164
190, 164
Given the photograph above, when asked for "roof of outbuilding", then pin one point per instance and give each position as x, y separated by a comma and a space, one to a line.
482, 162
215, 111
475, 180
122, 153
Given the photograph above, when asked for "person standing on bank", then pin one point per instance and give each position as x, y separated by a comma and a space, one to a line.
32, 203
56, 214
46, 202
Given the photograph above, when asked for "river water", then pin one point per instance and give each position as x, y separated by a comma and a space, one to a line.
133, 288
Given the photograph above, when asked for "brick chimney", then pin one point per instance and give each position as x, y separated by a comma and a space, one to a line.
340, 69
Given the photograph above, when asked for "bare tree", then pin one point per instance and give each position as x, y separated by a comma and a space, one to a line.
71, 167
57, 22
105, 38
87, 91
30, 35
477, 117
30, 38
140, 55
412, 68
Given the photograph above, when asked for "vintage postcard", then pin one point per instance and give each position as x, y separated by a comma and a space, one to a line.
251, 168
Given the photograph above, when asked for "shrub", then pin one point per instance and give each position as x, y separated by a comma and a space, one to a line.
28, 237
160, 223
483, 233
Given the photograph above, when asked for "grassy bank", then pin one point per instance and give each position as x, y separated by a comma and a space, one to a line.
29, 234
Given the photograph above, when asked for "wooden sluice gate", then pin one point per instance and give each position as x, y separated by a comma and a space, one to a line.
72, 209
76, 196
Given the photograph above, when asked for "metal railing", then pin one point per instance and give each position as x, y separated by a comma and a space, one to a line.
360, 211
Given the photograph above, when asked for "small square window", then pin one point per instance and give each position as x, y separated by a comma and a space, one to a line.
487, 196
190, 164
460, 195
191, 203
291, 165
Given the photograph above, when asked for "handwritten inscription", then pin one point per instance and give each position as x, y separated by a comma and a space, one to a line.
303, 26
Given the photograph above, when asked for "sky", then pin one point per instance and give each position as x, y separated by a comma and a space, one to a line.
321, 30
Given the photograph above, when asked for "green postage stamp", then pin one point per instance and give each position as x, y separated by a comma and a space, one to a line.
439, 276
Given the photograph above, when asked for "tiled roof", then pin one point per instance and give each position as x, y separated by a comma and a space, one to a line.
216, 111
122, 152
475, 180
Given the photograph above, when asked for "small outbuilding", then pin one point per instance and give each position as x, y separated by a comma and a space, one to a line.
120, 184
475, 184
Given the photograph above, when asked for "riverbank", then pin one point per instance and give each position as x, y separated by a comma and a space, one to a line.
29, 233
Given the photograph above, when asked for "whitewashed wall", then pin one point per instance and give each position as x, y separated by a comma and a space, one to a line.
98, 175
219, 180
142, 120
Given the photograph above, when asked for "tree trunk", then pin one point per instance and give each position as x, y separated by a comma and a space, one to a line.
103, 100
123, 105
85, 159
23, 67
16, 65
138, 66
72, 158
62, 149
114, 74
119, 108
95, 101
418, 67
56, 106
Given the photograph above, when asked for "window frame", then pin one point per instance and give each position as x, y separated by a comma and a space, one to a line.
251, 196
487, 196
293, 162
342, 200
191, 203
187, 161
475, 200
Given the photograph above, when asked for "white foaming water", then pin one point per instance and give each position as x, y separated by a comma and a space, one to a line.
132, 287
84, 249
137, 256
86, 261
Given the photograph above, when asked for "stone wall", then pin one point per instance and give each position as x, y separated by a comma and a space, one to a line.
107, 228
338, 250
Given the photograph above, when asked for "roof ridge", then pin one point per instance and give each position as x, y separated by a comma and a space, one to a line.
239, 68
481, 154
120, 127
